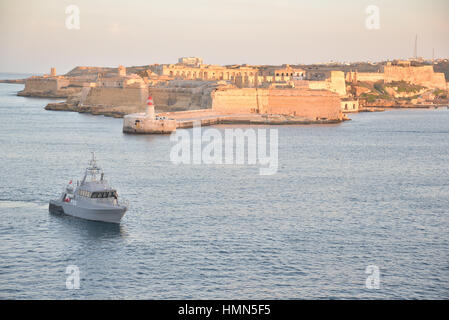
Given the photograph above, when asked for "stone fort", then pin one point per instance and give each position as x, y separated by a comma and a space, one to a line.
191, 85
402, 70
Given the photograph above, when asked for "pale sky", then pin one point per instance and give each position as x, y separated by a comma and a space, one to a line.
34, 36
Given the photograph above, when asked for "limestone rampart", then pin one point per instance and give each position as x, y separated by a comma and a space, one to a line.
167, 99
354, 76
335, 83
115, 96
47, 87
421, 75
311, 104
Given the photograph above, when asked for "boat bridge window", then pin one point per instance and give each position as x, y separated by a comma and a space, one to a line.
84, 193
106, 194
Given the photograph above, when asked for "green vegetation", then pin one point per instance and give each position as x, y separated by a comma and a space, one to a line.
440, 93
371, 97
403, 86
379, 87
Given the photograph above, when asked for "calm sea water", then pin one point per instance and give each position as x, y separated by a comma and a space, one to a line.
372, 191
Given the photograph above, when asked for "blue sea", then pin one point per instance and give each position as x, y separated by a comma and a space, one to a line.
373, 191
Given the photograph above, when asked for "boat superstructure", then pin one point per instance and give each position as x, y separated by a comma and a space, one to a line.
91, 199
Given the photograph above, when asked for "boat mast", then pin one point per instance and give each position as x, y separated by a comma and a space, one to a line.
92, 170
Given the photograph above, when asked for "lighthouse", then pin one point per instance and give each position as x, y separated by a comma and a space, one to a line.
148, 122
150, 108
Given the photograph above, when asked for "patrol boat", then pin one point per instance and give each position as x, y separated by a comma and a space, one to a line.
91, 199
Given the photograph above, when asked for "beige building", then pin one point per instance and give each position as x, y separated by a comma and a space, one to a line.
121, 80
205, 72
190, 61
286, 71
348, 106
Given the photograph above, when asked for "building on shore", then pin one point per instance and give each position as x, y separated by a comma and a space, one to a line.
115, 90
402, 70
349, 106
148, 122
190, 61
48, 85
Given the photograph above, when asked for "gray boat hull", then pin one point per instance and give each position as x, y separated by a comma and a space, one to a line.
93, 213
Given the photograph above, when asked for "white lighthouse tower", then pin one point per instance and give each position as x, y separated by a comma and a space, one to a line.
148, 121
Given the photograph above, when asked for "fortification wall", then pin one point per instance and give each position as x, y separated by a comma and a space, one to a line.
319, 85
116, 96
47, 87
335, 83
422, 75
369, 76
244, 100
338, 83
41, 85
181, 98
311, 104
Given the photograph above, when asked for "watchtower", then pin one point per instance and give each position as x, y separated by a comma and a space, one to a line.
121, 71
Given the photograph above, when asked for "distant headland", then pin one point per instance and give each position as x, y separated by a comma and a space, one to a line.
319, 93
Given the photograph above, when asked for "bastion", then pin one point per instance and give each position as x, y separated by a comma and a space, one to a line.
49, 85
304, 103
246, 106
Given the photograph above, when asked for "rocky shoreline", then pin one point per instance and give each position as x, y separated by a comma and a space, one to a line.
42, 95
18, 81
120, 112
115, 112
